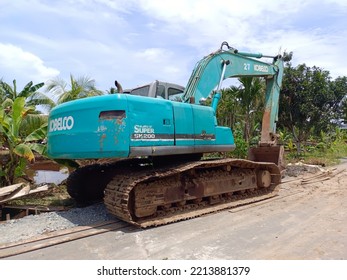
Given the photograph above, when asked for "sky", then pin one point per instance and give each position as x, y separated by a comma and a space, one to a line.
138, 41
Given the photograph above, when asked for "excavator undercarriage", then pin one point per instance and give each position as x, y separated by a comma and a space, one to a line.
144, 195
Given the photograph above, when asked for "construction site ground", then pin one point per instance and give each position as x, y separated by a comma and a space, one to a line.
306, 221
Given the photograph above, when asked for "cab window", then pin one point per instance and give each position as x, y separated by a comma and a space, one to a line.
143, 91
160, 92
175, 94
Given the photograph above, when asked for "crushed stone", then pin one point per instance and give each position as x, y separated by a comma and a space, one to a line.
33, 225
297, 169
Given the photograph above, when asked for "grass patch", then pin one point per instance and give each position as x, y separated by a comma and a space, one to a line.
324, 154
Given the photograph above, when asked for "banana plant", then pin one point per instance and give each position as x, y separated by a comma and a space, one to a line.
30, 92
20, 147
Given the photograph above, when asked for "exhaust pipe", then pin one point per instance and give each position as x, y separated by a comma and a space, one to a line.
119, 87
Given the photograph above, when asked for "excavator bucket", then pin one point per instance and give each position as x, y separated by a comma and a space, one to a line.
273, 154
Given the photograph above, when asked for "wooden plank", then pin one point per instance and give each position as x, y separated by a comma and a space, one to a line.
38, 208
10, 189
58, 233
40, 189
32, 246
20, 190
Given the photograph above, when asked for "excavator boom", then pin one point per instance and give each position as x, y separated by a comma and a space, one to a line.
223, 64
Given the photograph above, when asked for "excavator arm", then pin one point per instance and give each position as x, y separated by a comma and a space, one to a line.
210, 72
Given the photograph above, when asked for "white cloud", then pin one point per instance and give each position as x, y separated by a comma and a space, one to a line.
204, 25
15, 62
341, 3
157, 64
199, 10
136, 41
151, 54
303, 27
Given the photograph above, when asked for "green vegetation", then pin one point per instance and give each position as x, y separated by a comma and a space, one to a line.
78, 88
23, 128
310, 103
30, 93
20, 137
325, 149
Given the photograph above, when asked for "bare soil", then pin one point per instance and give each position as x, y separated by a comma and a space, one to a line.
307, 220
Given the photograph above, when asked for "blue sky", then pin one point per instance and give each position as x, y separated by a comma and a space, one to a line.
138, 41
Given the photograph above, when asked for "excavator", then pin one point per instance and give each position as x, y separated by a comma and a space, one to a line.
148, 155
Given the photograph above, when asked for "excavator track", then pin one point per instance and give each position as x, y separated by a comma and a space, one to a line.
157, 196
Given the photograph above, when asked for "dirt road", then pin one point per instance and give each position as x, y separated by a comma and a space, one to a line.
305, 221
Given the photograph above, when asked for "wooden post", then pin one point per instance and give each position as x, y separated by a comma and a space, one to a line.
8, 217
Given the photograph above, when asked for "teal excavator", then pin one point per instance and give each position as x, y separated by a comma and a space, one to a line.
147, 153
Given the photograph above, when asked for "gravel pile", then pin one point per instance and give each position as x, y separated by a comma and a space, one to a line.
297, 169
34, 225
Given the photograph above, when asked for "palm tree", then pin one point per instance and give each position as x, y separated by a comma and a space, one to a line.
243, 104
79, 88
251, 102
228, 107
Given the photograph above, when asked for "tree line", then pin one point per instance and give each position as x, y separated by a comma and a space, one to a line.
311, 103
